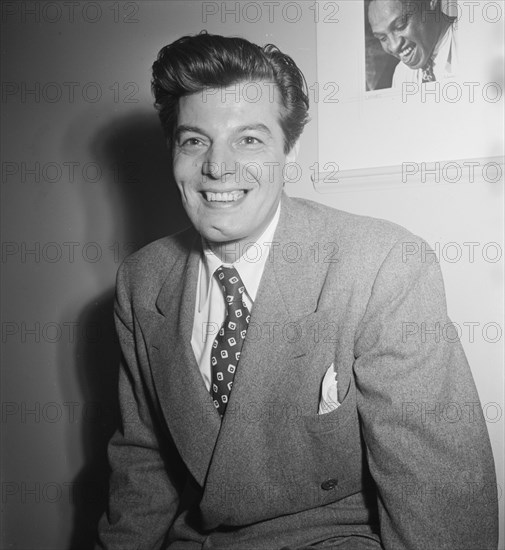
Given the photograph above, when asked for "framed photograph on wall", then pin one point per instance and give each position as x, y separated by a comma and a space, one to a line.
415, 83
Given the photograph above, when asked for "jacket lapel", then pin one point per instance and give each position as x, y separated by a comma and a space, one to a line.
187, 405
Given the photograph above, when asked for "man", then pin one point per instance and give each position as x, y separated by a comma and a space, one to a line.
271, 395
420, 35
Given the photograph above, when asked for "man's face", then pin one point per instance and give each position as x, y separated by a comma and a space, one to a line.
406, 29
228, 159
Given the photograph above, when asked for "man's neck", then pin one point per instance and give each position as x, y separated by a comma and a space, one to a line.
230, 252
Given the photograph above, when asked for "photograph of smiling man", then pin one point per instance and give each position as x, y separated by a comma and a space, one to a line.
419, 38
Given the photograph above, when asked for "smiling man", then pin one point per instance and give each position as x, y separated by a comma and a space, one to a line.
419, 34
293, 398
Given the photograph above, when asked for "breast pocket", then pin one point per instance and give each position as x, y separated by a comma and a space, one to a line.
336, 419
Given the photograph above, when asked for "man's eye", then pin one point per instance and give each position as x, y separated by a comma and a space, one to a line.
402, 25
191, 142
250, 140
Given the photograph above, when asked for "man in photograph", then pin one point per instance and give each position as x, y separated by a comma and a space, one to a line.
420, 35
283, 384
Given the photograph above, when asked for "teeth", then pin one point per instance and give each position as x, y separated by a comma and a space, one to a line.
407, 51
224, 197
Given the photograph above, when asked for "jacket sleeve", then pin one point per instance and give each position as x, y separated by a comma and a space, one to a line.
426, 438
145, 467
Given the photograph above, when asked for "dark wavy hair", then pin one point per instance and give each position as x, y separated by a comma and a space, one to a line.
193, 63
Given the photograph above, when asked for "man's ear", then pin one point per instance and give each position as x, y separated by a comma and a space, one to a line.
293, 154
434, 4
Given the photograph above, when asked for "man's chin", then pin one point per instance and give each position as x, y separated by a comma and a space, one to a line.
219, 238
417, 66
418, 62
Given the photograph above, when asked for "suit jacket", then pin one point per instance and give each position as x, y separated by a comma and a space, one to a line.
403, 463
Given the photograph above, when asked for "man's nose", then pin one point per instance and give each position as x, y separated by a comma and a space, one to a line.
395, 43
219, 162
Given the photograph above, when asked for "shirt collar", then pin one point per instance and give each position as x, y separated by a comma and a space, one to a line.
442, 50
250, 264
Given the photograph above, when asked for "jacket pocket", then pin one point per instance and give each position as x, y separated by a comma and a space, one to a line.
336, 419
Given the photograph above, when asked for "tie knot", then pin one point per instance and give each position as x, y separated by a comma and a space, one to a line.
231, 283
428, 73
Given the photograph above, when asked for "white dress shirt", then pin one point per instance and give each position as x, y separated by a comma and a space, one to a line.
210, 310
445, 62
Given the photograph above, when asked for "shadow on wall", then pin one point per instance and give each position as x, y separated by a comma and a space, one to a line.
146, 205
143, 193
96, 361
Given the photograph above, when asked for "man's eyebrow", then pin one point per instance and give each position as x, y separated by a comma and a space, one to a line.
184, 128
255, 127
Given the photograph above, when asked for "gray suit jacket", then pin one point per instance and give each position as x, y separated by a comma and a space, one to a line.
405, 461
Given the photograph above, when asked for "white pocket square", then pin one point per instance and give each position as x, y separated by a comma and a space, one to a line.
329, 398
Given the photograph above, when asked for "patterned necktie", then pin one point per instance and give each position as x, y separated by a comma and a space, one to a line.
428, 74
227, 346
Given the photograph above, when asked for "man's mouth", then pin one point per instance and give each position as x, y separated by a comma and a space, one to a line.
406, 54
231, 196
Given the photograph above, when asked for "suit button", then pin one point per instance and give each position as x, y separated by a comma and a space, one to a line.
329, 484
